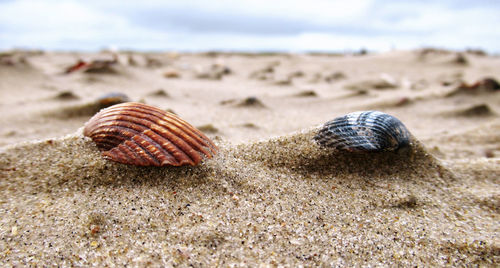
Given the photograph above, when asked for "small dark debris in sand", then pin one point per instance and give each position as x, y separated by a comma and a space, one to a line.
262, 76
398, 102
447, 83
296, 74
460, 59
208, 128
222, 69
453, 79
361, 52
13, 59
356, 93
266, 73
432, 50
250, 125
380, 84
489, 84
159, 93
96, 223
283, 82
170, 111
66, 95
208, 75
477, 52
215, 72
80, 64
89, 109
306, 93
171, 74
316, 78
131, 61
101, 67
392, 103
10, 133
91, 79
484, 85
6, 59
153, 62
225, 102
335, 77
489, 153
403, 101
95, 66
251, 102
409, 201
476, 110
112, 98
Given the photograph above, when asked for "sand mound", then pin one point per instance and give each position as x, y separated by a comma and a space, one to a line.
280, 201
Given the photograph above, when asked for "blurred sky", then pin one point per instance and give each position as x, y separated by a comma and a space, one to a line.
250, 25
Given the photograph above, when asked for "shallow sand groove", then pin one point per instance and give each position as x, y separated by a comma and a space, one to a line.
280, 201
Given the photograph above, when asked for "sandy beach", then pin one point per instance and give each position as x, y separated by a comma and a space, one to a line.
271, 196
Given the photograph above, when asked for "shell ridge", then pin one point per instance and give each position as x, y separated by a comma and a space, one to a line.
355, 141
106, 143
168, 146
162, 154
380, 135
143, 151
197, 136
159, 152
387, 123
362, 118
117, 133
123, 123
127, 150
177, 146
114, 135
174, 136
195, 133
117, 154
191, 138
399, 134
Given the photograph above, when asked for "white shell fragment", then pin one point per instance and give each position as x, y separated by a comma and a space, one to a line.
366, 131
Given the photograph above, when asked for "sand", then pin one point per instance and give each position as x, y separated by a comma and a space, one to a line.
270, 196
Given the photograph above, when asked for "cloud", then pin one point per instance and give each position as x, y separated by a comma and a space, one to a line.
243, 25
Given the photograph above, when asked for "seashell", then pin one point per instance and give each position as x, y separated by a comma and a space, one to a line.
111, 99
66, 95
251, 102
367, 131
77, 66
138, 134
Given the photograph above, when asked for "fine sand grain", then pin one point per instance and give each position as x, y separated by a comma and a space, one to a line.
270, 196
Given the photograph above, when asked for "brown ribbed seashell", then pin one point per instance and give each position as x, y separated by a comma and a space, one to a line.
143, 135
